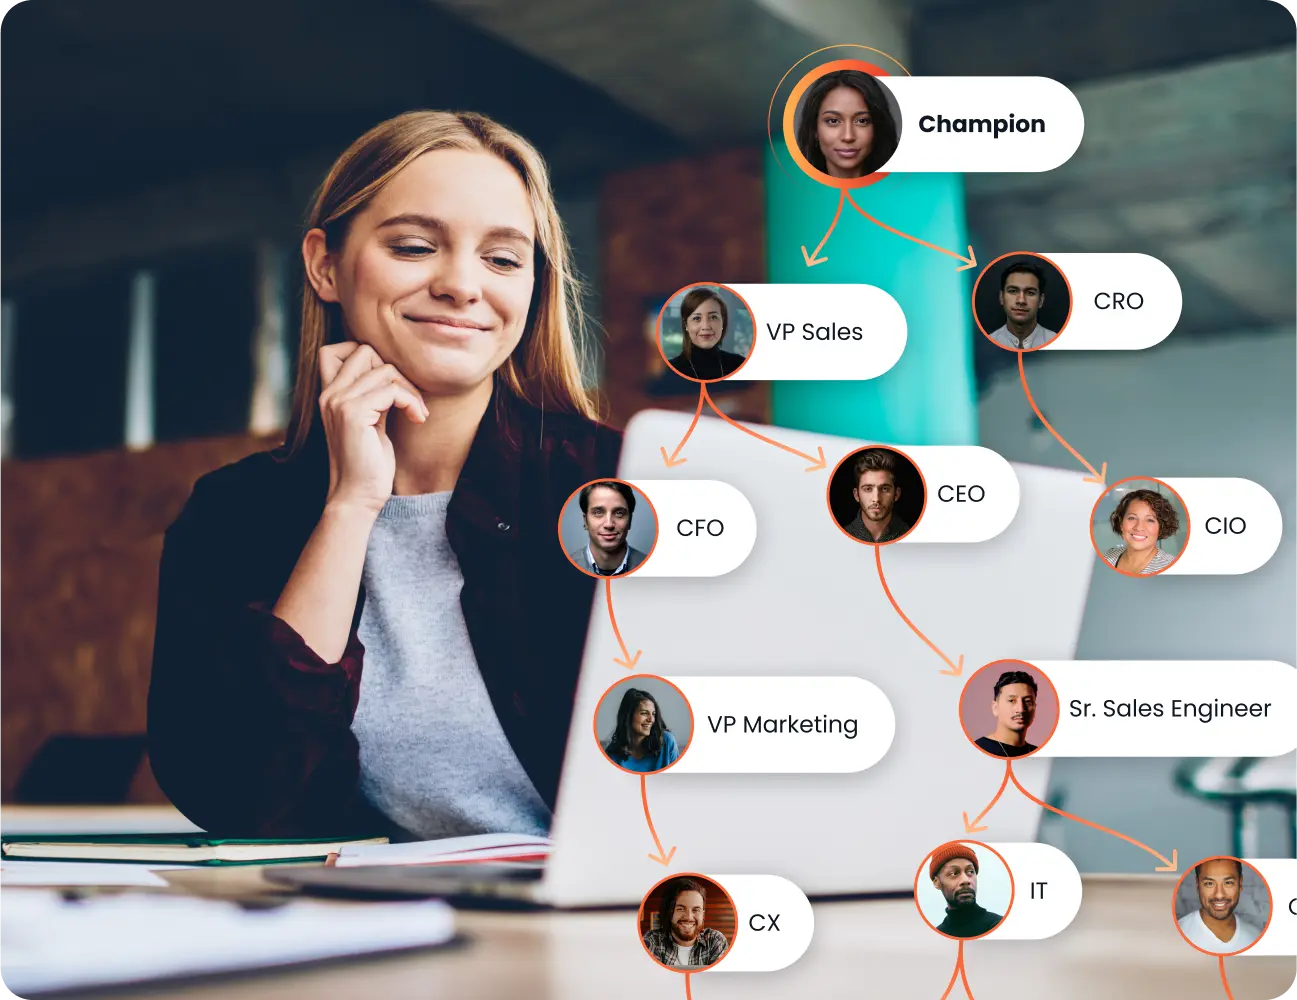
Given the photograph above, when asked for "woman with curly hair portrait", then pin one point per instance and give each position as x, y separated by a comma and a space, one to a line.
1143, 518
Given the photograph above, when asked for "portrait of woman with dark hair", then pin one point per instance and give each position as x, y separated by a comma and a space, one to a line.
1142, 519
846, 128
320, 603
641, 741
704, 320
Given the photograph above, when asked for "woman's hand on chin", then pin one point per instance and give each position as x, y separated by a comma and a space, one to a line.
358, 390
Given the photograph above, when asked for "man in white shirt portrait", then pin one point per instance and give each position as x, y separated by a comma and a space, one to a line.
1214, 926
1022, 293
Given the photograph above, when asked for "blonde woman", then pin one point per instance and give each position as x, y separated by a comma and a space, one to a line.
373, 630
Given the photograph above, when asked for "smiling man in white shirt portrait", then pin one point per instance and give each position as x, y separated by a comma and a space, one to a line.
1214, 926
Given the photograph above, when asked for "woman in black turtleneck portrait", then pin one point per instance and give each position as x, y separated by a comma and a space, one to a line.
704, 321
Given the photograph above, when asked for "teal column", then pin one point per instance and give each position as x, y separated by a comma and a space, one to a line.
929, 396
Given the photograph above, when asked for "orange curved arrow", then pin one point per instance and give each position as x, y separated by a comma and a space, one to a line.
626, 660
660, 857
1170, 866
959, 965
816, 463
955, 668
969, 261
689, 994
1224, 980
813, 257
973, 827
1093, 477
671, 459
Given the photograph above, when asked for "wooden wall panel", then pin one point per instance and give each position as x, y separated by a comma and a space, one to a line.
665, 226
81, 540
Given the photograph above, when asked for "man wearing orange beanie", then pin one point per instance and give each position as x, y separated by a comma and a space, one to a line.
953, 871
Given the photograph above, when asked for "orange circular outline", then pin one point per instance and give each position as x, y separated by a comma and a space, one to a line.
1071, 301
790, 109
1187, 526
1222, 857
770, 111
686, 969
986, 666
594, 724
706, 284
922, 482
647, 556
1013, 891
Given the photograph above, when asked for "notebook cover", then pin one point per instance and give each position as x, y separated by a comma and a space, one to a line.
173, 840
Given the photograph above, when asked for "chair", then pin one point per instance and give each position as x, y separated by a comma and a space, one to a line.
1242, 785
73, 769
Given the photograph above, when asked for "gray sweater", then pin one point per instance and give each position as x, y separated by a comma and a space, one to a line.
433, 757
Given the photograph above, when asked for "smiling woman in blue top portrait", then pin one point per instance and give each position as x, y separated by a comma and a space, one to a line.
641, 742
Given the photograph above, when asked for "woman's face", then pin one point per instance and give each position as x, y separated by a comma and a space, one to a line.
641, 720
705, 326
436, 272
1139, 528
845, 129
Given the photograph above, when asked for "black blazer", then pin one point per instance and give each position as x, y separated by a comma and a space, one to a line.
250, 730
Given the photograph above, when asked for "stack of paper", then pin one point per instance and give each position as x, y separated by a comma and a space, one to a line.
48, 944
451, 850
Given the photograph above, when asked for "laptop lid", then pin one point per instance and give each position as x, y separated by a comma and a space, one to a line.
806, 602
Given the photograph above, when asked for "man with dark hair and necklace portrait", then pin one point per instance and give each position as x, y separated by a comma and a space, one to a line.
1014, 708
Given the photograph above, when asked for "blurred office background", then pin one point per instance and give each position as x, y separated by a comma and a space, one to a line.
158, 159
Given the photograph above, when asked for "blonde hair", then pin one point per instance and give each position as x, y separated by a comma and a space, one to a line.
544, 368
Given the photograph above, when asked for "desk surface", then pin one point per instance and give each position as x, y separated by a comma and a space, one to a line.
1115, 949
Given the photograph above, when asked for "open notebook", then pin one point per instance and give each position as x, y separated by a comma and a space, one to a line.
497, 847
49, 944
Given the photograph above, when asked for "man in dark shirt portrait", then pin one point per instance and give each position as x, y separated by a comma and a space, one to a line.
875, 490
1014, 708
953, 870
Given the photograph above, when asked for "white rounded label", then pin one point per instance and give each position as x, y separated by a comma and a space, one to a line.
775, 923
821, 332
1280, 938
705, 527
1192, 708
1234, 526
773, 725
984, 124
1046, 892
1120, 301
970, 493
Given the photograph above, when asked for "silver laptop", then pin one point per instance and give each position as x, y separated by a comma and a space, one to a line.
806, 602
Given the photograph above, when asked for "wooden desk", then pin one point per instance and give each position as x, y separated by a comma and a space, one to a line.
18, 819
1121, 945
